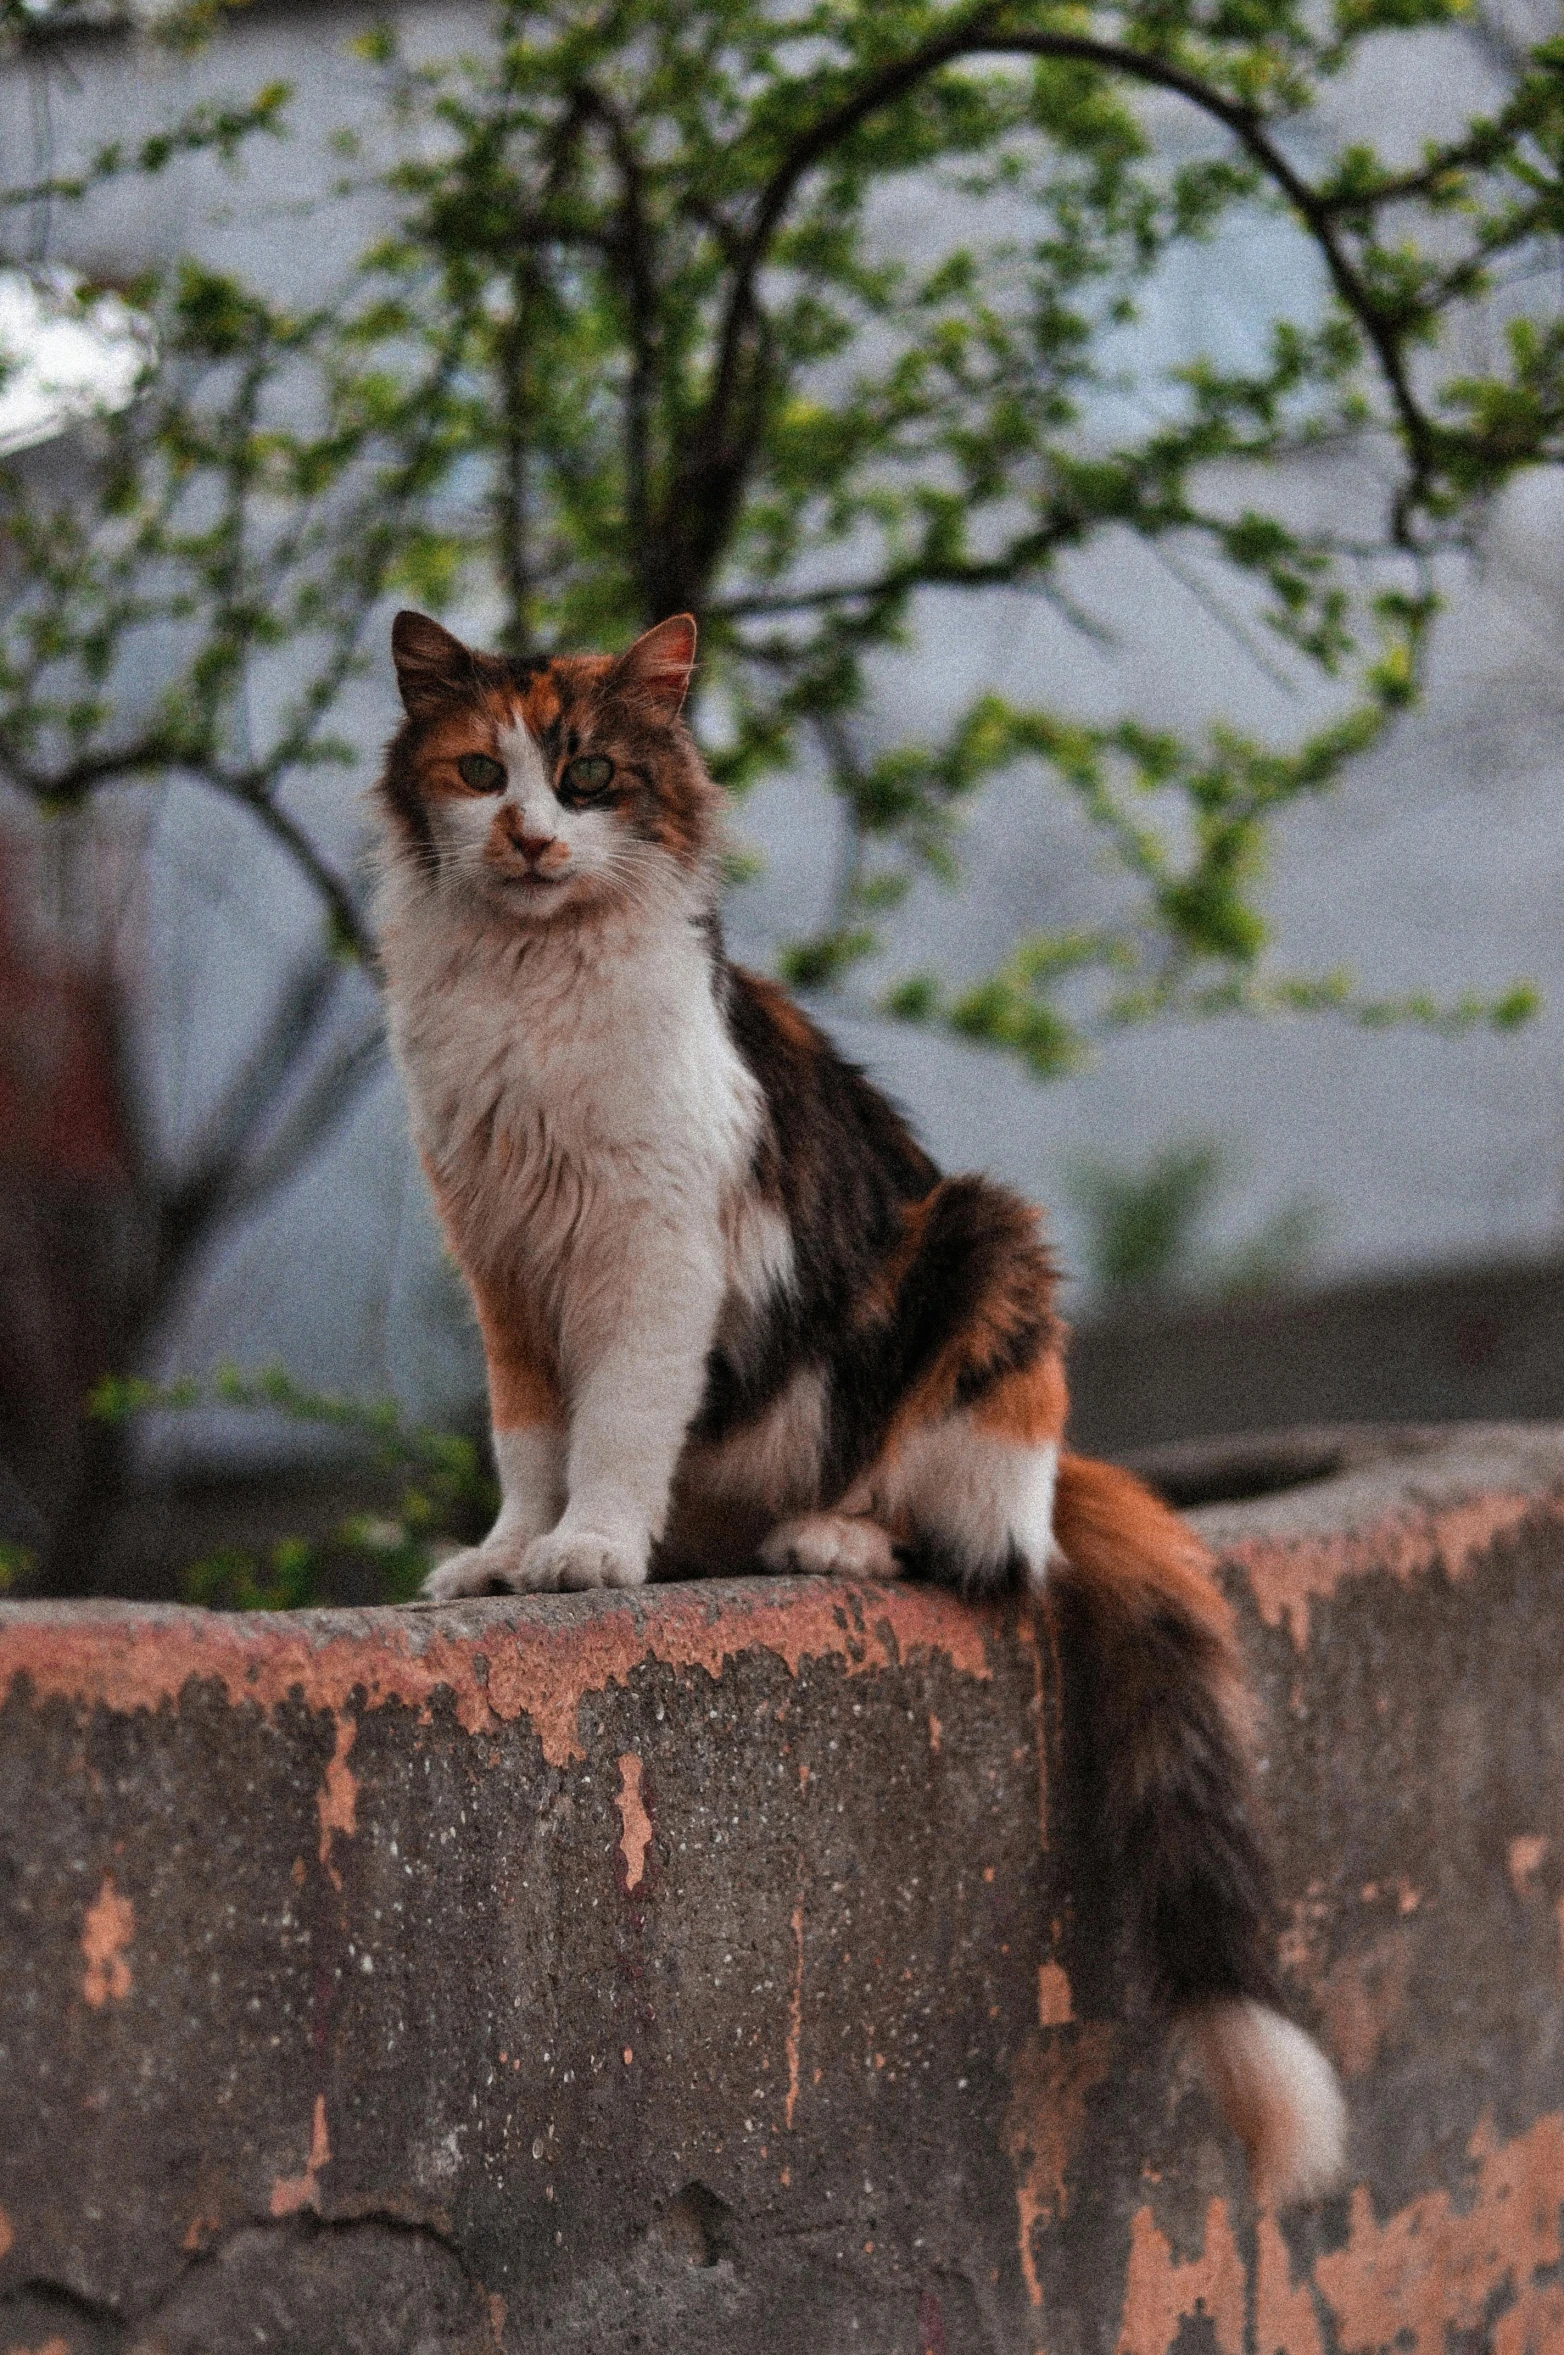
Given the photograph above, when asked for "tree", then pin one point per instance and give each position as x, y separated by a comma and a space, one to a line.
631, 340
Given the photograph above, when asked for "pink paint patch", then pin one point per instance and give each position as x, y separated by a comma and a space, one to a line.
337, 1800
1160, 2290
1364, 1996
1053, 1996
1284, 2310
538, 1661
1286, 1575
1524, 1860
1437, 2266
635, 1825
795, 2013
107, 1931
1534, 2325
293, 2193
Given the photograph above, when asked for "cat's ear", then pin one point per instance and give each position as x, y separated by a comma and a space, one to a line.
432, 667
657, 668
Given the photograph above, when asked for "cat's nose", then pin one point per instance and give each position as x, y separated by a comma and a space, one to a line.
531, 846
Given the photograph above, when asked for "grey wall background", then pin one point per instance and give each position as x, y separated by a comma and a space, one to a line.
1440, 863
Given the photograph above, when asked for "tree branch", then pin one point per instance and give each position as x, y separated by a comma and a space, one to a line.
980, 33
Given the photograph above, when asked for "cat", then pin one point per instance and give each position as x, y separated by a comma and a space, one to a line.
734, 1316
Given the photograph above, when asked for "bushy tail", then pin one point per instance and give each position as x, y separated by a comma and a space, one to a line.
1169, 1736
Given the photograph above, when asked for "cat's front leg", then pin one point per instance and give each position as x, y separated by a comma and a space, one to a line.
531, 1464
638, 1325
529, 1446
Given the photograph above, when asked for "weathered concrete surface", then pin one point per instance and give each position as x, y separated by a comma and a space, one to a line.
724, 1970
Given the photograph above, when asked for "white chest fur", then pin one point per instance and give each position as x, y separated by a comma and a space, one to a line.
564, 1077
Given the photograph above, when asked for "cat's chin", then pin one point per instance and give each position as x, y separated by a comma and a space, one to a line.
529, 900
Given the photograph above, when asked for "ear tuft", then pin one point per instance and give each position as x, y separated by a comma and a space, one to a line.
657, 668
431, 666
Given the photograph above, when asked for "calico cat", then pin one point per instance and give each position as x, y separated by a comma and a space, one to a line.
732, 1312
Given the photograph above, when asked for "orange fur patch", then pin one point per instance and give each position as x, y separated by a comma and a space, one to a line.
1028, 1407
474, 726
1128, 1543
1139, 1561
524, 1386
523, 1382
791, 1025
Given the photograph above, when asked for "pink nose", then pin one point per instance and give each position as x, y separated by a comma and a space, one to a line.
531, 846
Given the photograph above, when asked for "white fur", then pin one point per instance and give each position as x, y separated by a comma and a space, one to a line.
592, 848
531, 1465
978, 1495
831, 1545
1279, 2094
591, 1126
772, 1464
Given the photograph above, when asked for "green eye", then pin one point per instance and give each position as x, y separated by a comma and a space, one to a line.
589, 774
480, 772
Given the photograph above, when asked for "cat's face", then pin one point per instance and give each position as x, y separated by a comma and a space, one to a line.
546, 787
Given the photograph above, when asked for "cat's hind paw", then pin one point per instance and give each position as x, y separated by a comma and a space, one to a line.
573, 1560
831, 1545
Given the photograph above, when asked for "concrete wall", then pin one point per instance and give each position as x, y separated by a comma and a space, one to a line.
1481, 1344
725, 1969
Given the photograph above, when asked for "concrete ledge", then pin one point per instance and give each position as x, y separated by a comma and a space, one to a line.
723, 1969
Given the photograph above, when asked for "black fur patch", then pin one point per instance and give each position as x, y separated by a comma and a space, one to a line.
871, 1221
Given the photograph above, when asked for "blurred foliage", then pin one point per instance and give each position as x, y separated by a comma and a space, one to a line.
445, 1496
638, 334
1144, 1228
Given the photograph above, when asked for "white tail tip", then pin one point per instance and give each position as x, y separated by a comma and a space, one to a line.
1279, 2094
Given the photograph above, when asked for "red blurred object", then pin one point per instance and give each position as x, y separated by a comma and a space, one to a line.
67, 1198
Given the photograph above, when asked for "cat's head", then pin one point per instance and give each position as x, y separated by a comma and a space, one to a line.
558, 785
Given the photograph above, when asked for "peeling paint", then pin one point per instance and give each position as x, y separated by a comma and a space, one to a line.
532, 1657
293, 2193
7, 2235
1434, 2267
1363, 1996
1287, 1575
1438, 2266
1534, 2325
635, 1825
1044, 2124
1523, 1860
1161, 2289
1053, 1996
1285, 2319
795, 2014
337, 1799
108, 1929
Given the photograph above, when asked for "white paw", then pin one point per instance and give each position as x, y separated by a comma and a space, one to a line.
495, 1567
831, 1545
571, 1559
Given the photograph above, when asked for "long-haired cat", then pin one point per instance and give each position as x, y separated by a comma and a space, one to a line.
733, 1313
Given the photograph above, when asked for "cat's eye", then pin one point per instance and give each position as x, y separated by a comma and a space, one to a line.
588, 775
481, 772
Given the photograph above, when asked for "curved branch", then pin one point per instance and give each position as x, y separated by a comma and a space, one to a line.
981, 33
994, 572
